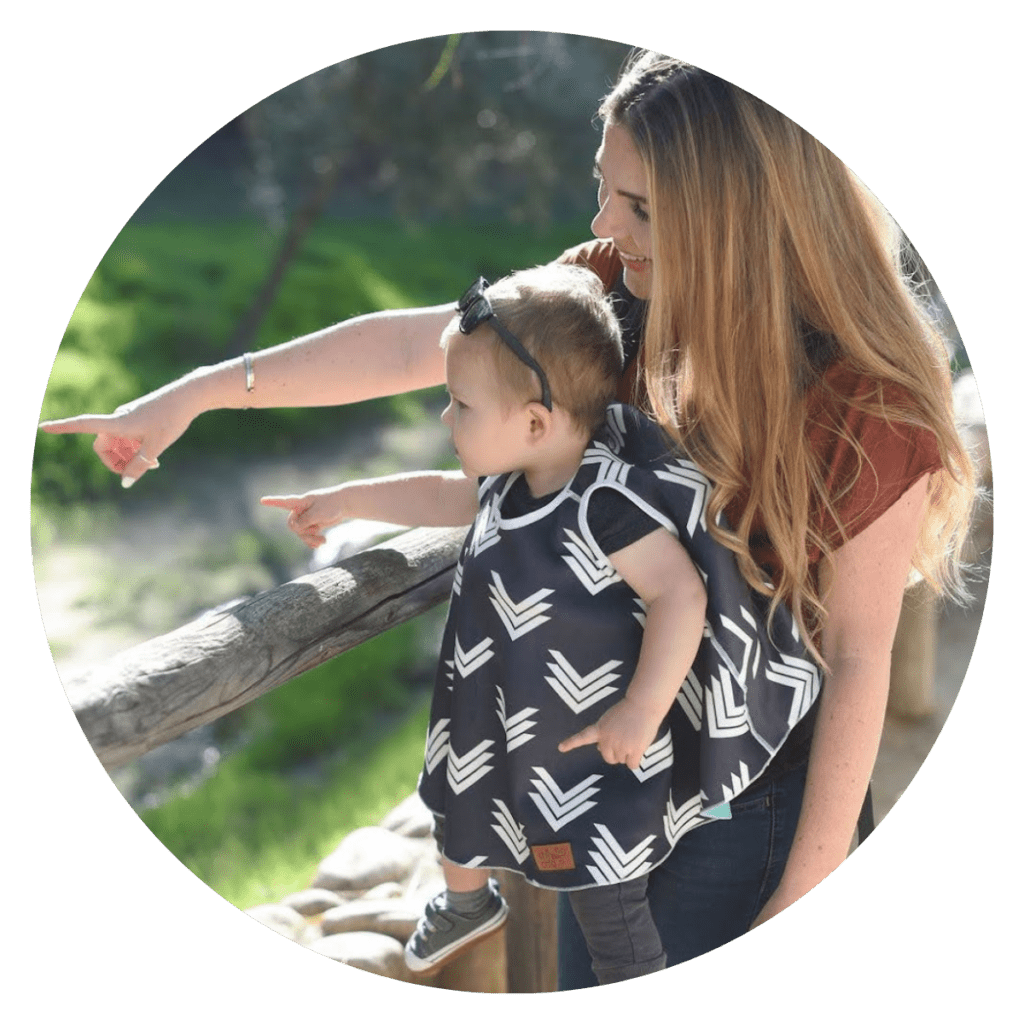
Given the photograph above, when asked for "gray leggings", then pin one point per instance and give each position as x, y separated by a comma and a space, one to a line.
616, 921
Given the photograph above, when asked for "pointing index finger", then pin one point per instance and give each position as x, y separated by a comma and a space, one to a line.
77, 425
580, 739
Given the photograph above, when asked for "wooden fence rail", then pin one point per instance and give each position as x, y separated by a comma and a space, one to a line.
160, 689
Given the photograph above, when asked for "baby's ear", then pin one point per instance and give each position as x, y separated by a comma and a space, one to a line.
541, 421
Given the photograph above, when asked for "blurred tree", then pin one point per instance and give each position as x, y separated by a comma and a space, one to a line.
493, 124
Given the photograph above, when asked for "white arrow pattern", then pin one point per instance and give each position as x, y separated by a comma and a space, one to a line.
689, 699
726, 717
560, 807
437, 745
590, 567
616, 427
611, 469
470, 767
612, 864
519, 618
580, 692
686, 474
681, 819
516, 728
457, 582
467, 662
739, 783
800, 674
485, 532
657, 757
749, 642
511, 832
641, 615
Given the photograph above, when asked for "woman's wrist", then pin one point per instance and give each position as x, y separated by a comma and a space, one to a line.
219, 386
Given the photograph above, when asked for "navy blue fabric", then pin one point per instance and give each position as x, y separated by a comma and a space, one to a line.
543, 637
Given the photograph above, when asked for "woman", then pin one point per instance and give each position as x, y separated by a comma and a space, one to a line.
780, 346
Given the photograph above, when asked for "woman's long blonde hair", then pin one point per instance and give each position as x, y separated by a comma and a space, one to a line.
760, 234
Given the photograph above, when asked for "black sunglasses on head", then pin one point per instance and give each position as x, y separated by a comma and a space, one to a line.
475, 309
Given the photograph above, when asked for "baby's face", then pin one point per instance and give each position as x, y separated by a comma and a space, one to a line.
489, 429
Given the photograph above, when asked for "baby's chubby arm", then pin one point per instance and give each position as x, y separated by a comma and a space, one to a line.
406, 499
658, 568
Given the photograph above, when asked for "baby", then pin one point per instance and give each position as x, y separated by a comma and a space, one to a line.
576, 615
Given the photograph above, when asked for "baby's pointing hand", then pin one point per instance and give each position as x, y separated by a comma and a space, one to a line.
622, 734
308, 514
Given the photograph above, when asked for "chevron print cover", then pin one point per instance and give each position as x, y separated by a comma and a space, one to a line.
543, 637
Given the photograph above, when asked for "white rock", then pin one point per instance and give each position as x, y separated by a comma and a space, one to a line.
284, 920
385, 891
410, 818
369, 951
396, 918
426, 879
368, 856
311, 902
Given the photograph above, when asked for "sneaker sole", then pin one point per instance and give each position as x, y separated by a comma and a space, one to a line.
425, 968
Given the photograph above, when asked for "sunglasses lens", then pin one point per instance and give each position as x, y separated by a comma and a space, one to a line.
471, 294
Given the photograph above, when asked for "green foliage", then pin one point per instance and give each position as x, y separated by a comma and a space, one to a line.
322, 755
255, 836
166, 297
313, 715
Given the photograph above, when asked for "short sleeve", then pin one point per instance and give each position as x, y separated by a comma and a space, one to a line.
615, 521
863, 487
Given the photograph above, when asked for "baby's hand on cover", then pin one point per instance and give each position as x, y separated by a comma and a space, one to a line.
622, 734
311, 513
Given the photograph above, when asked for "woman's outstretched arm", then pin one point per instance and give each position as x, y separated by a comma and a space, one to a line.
365, 357
864, 594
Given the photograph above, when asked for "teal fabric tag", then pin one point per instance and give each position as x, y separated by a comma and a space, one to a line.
723, 811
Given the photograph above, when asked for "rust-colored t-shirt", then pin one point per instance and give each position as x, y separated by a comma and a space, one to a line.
897, 455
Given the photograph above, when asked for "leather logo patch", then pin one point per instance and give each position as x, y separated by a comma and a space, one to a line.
554, 857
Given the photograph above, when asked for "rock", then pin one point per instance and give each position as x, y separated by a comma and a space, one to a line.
367, 857
385, 891
396, 918
311, 902
369, 951
426, 878
410, 818
284, 920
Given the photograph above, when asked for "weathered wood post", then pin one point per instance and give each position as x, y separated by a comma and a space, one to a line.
532, 935
912, 686
484, 968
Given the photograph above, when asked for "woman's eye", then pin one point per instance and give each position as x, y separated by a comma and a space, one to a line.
641, 213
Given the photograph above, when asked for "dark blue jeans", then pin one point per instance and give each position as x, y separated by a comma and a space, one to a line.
713, 884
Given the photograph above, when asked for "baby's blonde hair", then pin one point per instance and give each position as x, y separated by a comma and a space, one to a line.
565, 321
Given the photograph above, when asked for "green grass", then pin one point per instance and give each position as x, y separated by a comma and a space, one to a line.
254, 836
331, 750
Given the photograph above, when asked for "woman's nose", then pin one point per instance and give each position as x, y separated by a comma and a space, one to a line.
605, 222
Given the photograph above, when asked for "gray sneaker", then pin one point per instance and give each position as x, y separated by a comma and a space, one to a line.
442, 934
